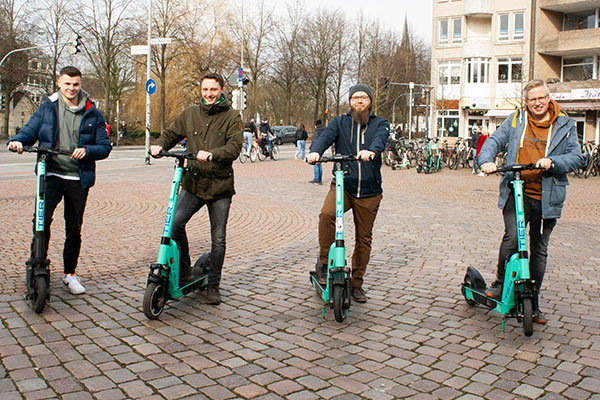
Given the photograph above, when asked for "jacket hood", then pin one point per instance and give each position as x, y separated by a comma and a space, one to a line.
215, 108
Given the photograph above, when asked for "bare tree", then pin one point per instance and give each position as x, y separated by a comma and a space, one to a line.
341, 61
14, 27
105, 36
53, 16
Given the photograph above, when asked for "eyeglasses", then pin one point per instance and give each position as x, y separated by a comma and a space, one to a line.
542, 99
356, 98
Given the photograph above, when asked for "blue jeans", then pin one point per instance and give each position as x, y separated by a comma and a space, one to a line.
218, 212
318, 168
539, 236
248, 138
301, 148
268, 144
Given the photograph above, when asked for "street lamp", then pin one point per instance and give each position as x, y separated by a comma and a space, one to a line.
394, 109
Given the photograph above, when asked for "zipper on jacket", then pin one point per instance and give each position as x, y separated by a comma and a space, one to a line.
358, 140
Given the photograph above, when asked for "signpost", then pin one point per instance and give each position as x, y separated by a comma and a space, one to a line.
150, 87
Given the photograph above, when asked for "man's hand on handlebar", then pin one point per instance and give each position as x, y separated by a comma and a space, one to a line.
313, 158
79, 153
204, 156
544, 163
16, 146
489, 168
365, 155
154, 150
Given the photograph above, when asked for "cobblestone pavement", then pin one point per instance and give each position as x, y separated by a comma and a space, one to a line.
414, 338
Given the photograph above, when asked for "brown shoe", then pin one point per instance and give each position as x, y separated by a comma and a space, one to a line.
359, 295
212, 295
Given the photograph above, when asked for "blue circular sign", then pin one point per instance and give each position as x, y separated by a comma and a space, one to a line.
150, 86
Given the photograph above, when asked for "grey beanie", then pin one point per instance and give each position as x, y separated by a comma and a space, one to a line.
361, 87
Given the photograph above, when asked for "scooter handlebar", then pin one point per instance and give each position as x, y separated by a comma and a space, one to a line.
340, 158
44, 150
180, 154
517, 167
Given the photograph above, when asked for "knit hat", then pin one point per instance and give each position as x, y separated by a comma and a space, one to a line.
361, 87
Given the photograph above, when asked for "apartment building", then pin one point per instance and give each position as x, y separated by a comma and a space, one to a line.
566, 54
480, 58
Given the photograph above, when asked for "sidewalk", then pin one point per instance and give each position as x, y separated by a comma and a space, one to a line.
414, 338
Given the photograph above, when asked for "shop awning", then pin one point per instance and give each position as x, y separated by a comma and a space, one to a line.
580, 105
498, 113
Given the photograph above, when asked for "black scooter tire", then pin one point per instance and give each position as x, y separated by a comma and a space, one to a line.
154, 300
527, 305
469, 283
39, 294
338, 303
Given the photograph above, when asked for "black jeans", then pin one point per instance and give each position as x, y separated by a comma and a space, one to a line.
539, 236
218, 212
75, 199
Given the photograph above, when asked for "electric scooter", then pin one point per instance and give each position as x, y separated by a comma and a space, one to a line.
519, 294
337, 291
37, 268
163, 280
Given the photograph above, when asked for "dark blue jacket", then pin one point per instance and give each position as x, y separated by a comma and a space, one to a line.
364, 178
42, 127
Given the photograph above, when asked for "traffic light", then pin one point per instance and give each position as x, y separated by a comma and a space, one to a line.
75, 43
2, 103
244, 100
235, 99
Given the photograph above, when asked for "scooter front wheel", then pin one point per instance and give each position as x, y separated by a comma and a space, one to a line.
154, 300
39, 294
338, 303
527, 307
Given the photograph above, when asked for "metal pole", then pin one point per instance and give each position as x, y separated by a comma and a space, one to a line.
411, 85
118, 121
148, 72
241, 83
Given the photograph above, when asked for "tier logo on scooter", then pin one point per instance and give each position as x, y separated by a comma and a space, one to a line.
168, 219
40, 217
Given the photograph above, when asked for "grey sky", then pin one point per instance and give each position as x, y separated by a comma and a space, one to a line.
389, 12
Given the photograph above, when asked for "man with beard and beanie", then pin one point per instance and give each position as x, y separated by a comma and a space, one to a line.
543, 135
67, 120
214, 134
364, 135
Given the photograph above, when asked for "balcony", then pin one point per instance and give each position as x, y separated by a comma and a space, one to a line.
566, 6
478, 7
585, 42
477, 46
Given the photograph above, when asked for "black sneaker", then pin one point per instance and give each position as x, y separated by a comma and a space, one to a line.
323, 278
359, 295
495, 291
212, 295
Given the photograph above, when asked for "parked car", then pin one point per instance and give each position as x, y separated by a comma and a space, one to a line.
284, 134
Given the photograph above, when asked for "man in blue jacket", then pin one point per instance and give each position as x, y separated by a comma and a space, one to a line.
67, 120
543, 135
364, 135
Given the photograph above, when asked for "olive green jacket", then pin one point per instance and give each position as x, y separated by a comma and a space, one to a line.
215, 128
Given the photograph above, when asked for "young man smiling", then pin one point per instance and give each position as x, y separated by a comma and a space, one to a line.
214, 133
67, 121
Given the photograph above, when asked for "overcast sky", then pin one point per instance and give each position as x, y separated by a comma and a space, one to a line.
389, 12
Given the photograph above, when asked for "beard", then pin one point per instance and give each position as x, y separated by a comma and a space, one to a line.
361, 117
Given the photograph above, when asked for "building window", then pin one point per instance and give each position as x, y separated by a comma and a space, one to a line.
457, 30
450, 29
447, 123
478, 70
449, 72
444, 31
519, 30
509, 70
580, 69
587, 19
503, 26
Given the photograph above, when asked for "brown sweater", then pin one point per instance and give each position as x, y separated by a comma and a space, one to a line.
534, 148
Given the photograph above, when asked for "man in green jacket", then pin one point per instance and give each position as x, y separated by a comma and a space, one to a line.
214, 133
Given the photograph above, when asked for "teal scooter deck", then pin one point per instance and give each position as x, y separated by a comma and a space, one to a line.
519, 293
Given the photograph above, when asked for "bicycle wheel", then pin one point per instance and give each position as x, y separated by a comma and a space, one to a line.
261, 155
453, 161
275, 152
243, 157
254, 154
388, 157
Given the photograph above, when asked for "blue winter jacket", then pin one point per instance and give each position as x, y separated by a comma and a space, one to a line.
42, 127
364, 178
564, 151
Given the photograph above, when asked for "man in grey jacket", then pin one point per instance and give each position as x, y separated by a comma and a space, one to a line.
543, 135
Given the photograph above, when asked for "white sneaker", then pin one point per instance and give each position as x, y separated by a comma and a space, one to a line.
481, 174
72, 282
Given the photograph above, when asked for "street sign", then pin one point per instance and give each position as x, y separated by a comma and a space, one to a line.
161, 40
150, 86
240, 79
139, 50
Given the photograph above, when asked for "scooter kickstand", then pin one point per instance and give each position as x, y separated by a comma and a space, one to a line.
323, 311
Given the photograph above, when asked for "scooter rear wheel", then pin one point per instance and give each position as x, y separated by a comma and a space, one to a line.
154, 300
471, 284
527, 305
39, 294
338, 303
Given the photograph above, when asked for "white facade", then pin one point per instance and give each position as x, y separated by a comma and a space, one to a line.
480, 57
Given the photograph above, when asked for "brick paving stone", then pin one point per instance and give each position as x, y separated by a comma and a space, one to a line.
250, 391
136, 389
